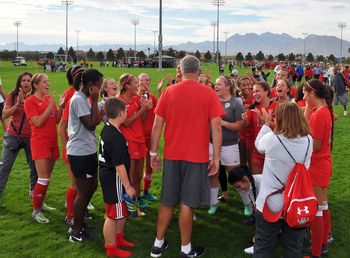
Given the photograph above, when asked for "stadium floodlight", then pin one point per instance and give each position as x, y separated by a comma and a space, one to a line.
341, 25
77, 31
213, 24
135, 23
218, 3
66, 3
305, 35
17, 24
154, 42
226, 33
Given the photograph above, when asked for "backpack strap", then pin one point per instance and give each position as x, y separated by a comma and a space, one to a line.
308, 146
307, 150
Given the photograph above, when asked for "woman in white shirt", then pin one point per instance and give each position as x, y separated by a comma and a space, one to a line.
293, 130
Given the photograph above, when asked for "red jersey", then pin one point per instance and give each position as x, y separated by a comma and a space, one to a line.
321, 128
187, 108
148, 124
16, 119
245, 133
134, 132
46, 135
308, 73
67, 95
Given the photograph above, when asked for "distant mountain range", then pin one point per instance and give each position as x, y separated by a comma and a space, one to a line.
268, 43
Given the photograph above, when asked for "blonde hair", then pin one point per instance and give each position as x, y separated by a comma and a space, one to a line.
290, 121
229, 82
35, 80
103, 92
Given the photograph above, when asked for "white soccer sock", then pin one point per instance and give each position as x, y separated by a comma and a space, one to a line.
186, 248
43, 181
158, 243
214, 192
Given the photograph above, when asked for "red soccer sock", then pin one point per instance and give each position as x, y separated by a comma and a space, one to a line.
70, 197
122, 242
327, 225
113, 250
147, 180
317, 228
38, 195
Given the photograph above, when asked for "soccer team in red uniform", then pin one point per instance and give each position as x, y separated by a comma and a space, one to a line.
132, 124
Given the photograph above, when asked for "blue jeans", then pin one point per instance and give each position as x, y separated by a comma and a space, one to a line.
11, 147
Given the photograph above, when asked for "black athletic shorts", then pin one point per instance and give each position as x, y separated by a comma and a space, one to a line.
84, 166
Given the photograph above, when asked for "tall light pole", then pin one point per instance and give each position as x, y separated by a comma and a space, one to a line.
305, 35
341, 25
218, 3
135, 23
17, 24
213, 24
66, 3
77, 31
154, 42
160, 37
226, 33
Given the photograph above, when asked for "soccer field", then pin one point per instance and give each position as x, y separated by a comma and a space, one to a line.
222, 234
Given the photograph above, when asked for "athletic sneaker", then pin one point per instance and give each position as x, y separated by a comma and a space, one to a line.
212, 210
82, 236
247, 211
141, 203
69, 222
87, 216
90, 207
345, 113
157, 251
249, 250
222, 198
140, 213
149, 196
46, 207
330, 238
196, 251
39, 217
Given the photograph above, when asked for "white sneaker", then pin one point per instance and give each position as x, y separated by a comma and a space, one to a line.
39, 217
345, 113
90, 207
249, 250
45, 207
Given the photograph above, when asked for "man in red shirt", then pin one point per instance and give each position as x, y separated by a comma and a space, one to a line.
188, 110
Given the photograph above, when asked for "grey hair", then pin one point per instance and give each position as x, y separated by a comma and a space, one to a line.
189, 64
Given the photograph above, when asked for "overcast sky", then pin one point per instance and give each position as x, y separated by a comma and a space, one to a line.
109, 21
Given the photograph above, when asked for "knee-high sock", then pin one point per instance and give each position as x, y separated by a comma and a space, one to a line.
317, 228
39, 193
327, 225
70, 197
214, 192
147, 180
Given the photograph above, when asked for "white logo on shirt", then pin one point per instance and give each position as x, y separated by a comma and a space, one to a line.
227, 105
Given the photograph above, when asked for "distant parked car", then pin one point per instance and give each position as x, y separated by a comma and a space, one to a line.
19, 61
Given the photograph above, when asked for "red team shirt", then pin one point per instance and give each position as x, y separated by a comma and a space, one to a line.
148, 124
46, 135
321, 161
185, 106
134, 132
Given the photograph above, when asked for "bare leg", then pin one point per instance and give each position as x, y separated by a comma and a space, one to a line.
185, 223
164, 216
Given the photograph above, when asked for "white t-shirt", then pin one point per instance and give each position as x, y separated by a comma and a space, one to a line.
278, 163
82, 141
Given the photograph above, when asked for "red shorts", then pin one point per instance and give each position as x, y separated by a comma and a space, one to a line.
116, 211
64, 155
320, 172
137, 150
42, 152
148, 143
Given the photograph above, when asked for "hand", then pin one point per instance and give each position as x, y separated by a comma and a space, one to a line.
146, 104
160, 85
20, 97
62, 101
169, 78
94, 93
156, 163
245, 117
130, 191
259, 113
52, 101
213, 167
267, 116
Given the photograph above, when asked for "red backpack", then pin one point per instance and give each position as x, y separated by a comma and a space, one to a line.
300, 203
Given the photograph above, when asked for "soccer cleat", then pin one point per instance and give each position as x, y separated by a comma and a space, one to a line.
90, 207
69, 222
212, 210
141, 203
196, 251
140, 213
82, 236
120, 240
345, 113
39, 217
222, 199
249, 250
46, 207
157, 251
114, 251
149, 196
247, 211
330, 238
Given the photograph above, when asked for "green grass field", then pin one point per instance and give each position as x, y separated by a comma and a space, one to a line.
223, 235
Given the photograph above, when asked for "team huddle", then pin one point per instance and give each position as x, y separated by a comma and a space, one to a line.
237, 131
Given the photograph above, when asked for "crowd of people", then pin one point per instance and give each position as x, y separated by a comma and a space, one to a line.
238, 130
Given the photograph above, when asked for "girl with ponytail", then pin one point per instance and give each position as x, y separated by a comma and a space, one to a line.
321, 119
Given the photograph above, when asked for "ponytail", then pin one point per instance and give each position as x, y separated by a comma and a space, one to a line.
329, 101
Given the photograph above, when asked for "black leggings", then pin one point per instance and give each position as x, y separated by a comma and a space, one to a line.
86, 188
223, 178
